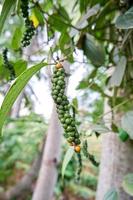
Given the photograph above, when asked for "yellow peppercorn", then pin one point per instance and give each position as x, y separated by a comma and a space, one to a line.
77, 148
58, 65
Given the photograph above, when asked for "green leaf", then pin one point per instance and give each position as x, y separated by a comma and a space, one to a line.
125, 21
39, 15
119, 72
128, 184
111, 194
67, 158
15, 90
63, 13
5, 11
83, 5
75, 103
83, 85
127, 123
64, 40
57, 22
16, 40
93, 51
20, 66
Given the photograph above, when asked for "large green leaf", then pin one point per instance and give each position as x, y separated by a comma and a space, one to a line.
15, 90
5, 11
67, 158
125, 21
111, 195
127, 123
93, 51
128, 184
119, 72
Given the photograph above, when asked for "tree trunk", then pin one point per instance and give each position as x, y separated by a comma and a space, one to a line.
48, 171
116, 161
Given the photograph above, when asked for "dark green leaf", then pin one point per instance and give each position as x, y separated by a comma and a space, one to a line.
125, 21
83, 5
93, 51
63, 13
7, 5
111, 194
15, 90
128, 184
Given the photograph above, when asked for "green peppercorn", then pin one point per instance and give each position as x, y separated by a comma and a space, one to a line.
66, 135
69, 128
55, 80
59, 100
68, 121
60, 107
72, 134
77, 141
65, 126
58, 87
70, 139
60, 82
55, 92
76, 135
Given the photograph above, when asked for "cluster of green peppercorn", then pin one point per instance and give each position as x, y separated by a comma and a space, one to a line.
63, 107
8, 65
30, 29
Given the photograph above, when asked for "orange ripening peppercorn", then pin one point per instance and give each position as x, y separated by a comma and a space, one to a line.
77, 148
58, 65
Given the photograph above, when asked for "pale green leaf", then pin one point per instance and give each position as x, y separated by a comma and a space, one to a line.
128, 184
7, 5
111, 194
127, 123
67, 159
15, 90
118, 74
100, 128
125, 21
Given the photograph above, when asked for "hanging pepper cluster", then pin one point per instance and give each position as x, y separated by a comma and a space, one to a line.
7, 64
30, 29
63, 107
